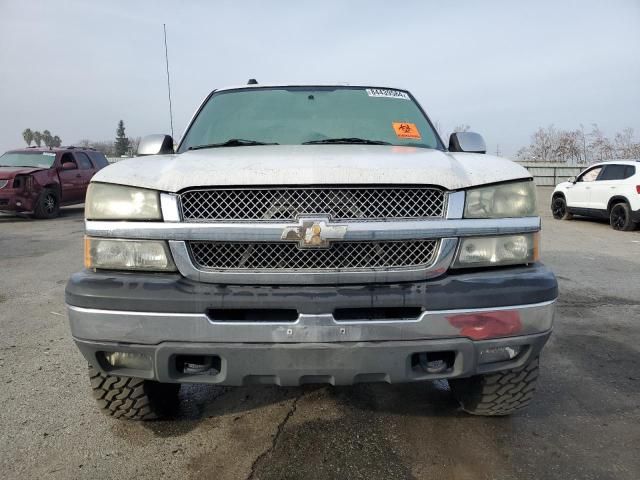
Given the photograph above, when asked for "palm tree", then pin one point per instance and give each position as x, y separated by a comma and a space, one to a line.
28, 136
37, 138
56, 142
47, 138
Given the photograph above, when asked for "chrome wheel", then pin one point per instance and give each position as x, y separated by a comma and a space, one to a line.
50, 204
47, 206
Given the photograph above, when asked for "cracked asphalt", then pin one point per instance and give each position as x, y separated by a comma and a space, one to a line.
583, 424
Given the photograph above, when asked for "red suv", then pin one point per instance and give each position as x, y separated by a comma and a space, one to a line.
40, 180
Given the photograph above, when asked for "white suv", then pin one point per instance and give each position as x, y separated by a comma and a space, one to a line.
605, 190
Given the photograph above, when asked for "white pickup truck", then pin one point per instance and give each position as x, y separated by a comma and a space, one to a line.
311, 234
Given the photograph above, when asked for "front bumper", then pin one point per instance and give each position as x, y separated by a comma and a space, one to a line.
334, 363
167, 317
14, 201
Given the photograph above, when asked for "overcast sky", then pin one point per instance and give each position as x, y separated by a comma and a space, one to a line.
505, 68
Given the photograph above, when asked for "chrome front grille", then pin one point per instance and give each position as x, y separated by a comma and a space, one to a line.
341, 256
288, 204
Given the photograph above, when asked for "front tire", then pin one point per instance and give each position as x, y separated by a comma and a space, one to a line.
48, 205
497, 394
620, 217
130, 398
559, 209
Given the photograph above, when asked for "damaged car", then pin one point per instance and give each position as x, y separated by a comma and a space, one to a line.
39, 181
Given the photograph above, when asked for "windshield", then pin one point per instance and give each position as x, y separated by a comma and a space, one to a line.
299, 115
27, 159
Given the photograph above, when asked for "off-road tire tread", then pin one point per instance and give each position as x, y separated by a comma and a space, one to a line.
131, 398
497, 394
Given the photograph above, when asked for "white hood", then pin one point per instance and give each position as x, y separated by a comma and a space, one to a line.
311, 165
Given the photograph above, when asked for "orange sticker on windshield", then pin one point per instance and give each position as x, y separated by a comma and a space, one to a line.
406, 130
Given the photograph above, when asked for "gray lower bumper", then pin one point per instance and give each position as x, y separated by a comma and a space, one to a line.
166, 316
331, 363
152, 328
313, 349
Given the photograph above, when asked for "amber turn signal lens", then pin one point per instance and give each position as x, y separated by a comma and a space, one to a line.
87, 253
536, 246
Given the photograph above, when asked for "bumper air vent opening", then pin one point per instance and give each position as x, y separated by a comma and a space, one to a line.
377, 313
252, 315
435, 363
198, 364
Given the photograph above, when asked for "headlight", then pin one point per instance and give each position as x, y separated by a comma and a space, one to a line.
116, 202
516, 199
496, 251
112, 254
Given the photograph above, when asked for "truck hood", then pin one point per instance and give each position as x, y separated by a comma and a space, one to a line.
311, 165
7, 173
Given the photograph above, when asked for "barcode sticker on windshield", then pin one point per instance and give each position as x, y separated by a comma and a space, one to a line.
385, 93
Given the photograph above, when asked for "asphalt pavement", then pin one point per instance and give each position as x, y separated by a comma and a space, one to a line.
584, 422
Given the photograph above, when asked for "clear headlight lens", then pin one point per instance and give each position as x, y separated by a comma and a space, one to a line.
516, 199
496, 251
116, 202
112, 254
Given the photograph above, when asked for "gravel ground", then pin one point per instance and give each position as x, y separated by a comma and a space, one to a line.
584, 423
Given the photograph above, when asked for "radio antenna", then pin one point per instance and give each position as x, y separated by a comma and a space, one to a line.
166, 57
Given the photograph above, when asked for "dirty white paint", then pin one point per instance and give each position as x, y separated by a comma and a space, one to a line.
311, 165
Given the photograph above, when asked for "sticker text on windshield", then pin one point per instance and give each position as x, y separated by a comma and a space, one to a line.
385, 93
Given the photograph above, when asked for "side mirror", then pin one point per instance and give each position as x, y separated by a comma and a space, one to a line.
467, 142
571, 179
155, 145
69, 166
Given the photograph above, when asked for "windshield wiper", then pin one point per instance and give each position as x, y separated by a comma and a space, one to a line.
232, 142
347, 140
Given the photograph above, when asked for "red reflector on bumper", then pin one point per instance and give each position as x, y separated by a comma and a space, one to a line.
484, 325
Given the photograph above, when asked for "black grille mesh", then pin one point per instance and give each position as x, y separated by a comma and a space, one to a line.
339, 256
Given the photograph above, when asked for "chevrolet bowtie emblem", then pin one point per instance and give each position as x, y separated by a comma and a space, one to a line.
314, 232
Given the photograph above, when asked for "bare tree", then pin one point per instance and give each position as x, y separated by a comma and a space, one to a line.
134, 142
599, 145
625, 146
567, 149
542, 144
577, 147
105, 147
582, 140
